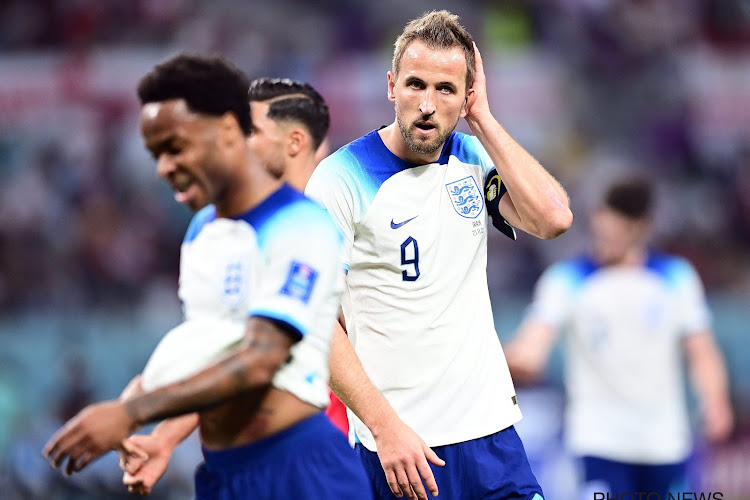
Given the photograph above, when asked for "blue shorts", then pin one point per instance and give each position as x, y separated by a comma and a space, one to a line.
311, 460
491, 467
609, 476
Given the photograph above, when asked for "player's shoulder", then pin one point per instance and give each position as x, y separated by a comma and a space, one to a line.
572, 271
289, 213
673, 268
199, 221
351, 158
467, 149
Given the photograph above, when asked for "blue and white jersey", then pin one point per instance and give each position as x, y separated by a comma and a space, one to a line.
281, 261
623, 353
416, 302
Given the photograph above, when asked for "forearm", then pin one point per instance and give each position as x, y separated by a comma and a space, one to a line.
251, 367
350, 383
529, 350
707, 370
133, 389
173, 431
540, 201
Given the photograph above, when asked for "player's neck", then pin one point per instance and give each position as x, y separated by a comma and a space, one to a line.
394, 141
249, 190
634, 257
297, 173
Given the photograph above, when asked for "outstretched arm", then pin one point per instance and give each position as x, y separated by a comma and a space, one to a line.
403, 454
536, 202
527, 353
708, 375
102, 427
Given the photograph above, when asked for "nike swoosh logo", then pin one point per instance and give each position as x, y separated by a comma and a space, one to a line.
398, 225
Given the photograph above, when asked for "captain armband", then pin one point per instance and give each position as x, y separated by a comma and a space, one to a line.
494, 189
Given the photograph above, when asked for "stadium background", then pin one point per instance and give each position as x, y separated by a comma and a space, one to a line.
89, 238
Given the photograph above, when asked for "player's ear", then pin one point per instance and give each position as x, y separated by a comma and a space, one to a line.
297, 141
470, 96
391, 86
229, 130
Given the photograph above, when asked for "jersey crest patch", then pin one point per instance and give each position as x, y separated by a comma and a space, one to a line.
235, 283
466, 197
300, 282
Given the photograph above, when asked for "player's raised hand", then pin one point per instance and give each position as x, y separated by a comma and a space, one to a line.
404, 455
140, 476
477, 103
96, 430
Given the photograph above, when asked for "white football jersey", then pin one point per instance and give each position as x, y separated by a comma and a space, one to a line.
416, 302
281, 261
623, 373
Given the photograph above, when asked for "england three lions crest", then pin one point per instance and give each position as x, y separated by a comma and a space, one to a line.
466, 197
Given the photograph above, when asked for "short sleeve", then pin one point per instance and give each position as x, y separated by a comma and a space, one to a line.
553, 295
302, 248
329, 188
695, 313
483, 158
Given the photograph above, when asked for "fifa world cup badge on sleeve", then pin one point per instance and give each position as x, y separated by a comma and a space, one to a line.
300, 281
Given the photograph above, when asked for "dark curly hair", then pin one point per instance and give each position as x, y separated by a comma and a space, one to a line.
293, 100
209, 85
632, 197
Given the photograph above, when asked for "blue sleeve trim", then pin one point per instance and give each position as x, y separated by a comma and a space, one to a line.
284, 321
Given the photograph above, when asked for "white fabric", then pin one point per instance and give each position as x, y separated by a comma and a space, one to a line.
279, 261
623, 371
416, 302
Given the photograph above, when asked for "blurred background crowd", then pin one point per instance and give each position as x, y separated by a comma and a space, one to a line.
89, 238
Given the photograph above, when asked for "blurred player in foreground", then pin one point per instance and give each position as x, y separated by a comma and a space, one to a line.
257, 249
289, 122
410, 201
630, 314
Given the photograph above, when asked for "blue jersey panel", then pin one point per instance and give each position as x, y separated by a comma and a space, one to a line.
200, 219
371, 163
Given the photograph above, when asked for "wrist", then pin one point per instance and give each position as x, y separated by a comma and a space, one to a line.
479, 121
379, 425
172, 432
135, 414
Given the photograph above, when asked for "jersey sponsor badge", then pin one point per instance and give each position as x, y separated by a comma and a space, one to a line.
466, 197
300, 281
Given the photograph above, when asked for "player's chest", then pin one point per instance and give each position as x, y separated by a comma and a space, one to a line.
434, 202
423, 220
218, 270
630, 305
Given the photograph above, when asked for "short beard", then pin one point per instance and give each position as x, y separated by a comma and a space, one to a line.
423, 148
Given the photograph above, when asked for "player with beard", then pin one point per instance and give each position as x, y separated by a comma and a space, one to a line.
422, 367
